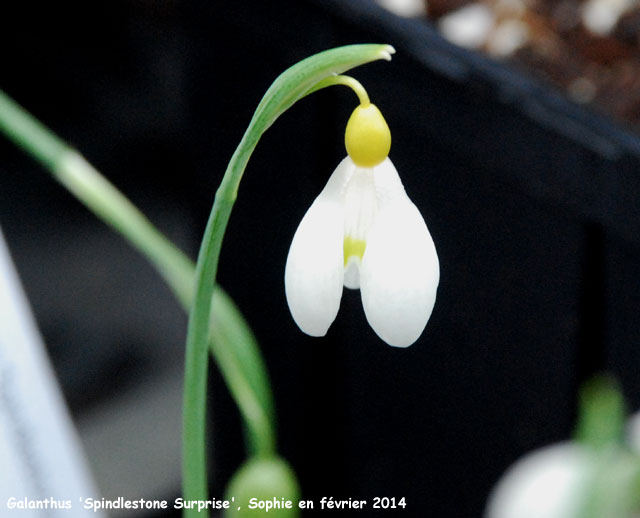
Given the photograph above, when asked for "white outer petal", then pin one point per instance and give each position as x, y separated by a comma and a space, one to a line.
314, 272
400, 270
547, 483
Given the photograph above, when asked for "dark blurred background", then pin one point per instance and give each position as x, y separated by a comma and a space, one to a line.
532, 202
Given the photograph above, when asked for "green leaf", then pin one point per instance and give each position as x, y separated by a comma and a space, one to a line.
233, 344
238, 357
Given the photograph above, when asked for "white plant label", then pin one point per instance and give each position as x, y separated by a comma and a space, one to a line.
43, 472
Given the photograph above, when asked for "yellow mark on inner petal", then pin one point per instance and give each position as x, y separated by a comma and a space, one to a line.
353, 247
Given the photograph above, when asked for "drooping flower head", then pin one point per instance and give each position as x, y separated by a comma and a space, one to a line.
364, 232
547, 483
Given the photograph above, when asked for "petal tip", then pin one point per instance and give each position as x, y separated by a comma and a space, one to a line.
314, 334
400, 338
398, 345
311, 325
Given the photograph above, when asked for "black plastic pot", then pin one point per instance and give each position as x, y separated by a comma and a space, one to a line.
532, 202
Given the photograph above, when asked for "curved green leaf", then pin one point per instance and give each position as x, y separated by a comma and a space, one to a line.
233, 345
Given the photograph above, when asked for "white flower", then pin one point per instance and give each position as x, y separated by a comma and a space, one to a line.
363, 231
547, 483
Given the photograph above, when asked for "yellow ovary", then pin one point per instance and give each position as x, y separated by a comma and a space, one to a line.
367, 137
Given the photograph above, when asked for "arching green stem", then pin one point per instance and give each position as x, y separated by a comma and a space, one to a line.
288, 88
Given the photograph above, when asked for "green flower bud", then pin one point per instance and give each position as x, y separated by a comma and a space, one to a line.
262, 485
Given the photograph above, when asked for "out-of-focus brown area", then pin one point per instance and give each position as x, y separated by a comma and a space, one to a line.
589, 49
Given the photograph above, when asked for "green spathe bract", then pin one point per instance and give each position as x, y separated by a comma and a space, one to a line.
303, 78
288, 88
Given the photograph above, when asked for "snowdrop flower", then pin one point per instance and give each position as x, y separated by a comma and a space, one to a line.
547, 483
364, 232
